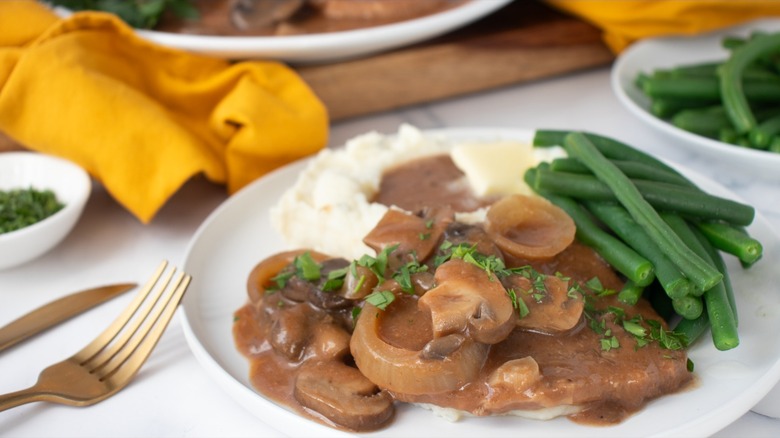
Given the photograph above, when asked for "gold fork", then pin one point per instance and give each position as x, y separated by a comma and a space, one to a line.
110, 361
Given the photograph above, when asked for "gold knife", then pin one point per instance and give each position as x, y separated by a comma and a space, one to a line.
57, 311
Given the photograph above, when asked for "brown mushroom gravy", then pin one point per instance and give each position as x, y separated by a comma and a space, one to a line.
297, 17
444, 314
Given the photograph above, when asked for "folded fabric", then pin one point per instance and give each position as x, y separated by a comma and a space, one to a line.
141, 118
626, 21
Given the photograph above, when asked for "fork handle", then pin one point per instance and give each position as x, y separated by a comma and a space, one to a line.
18, 398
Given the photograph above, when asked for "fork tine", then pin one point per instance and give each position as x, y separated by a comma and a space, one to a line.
116, 326
106, 362
110, 350
129, 367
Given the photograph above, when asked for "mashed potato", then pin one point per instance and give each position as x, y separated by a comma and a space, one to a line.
329, 208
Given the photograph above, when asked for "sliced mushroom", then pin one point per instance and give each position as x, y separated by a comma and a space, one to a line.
441, 348
328, 342
516, 374
290, 330
343, 395
417, 235
551, 310
468, 299
511, 383
359, 282
529, 227
413, 371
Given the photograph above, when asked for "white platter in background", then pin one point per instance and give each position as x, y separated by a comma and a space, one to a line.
653, 53
326, 47
238, 234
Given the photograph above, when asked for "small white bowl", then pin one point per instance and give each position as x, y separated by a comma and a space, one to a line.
70, 183
665, 52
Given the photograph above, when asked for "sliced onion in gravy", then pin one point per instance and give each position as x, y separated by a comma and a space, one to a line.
529, 227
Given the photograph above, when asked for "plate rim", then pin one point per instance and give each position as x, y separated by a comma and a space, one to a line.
331, 46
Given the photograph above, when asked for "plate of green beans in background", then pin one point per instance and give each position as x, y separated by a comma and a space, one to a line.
716, 94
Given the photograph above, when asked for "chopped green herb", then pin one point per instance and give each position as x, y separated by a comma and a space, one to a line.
403, 276
306, 268
378, 265
21, 208
668, 339
355, 313
610, 343
595, 285
380, 299
635, 329
335, 279
522, 308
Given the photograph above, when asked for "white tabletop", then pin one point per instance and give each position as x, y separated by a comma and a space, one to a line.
173, 395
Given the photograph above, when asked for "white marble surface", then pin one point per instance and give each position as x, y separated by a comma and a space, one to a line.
173, 396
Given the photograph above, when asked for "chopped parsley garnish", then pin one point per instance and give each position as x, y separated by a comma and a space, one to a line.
20, 208
403, 276
335, 279
644, 331
306, 268
380, 299
595, 285
378, 265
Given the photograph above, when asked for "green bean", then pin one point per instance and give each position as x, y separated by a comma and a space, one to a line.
632, 169
666, 108
689, 306
761, 136
733, 91
630, 293
660, 301
699, 69
717, 260
616, 218
619, 255
663, 196
774, 145
699, 89
733, 240
692, 329
710, 70
701, 273
708, 121
609, 147
723, 323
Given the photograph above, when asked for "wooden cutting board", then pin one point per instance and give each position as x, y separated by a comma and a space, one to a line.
524, 41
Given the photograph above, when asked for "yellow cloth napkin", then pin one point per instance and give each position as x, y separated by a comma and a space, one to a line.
141, 118
626, 21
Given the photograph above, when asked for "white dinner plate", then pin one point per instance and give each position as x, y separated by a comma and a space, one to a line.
650, 54
332, 46
238, 234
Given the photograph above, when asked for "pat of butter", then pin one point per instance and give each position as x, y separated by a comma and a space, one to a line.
495, 168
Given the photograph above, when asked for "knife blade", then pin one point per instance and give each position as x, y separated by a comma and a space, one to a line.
58, 311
